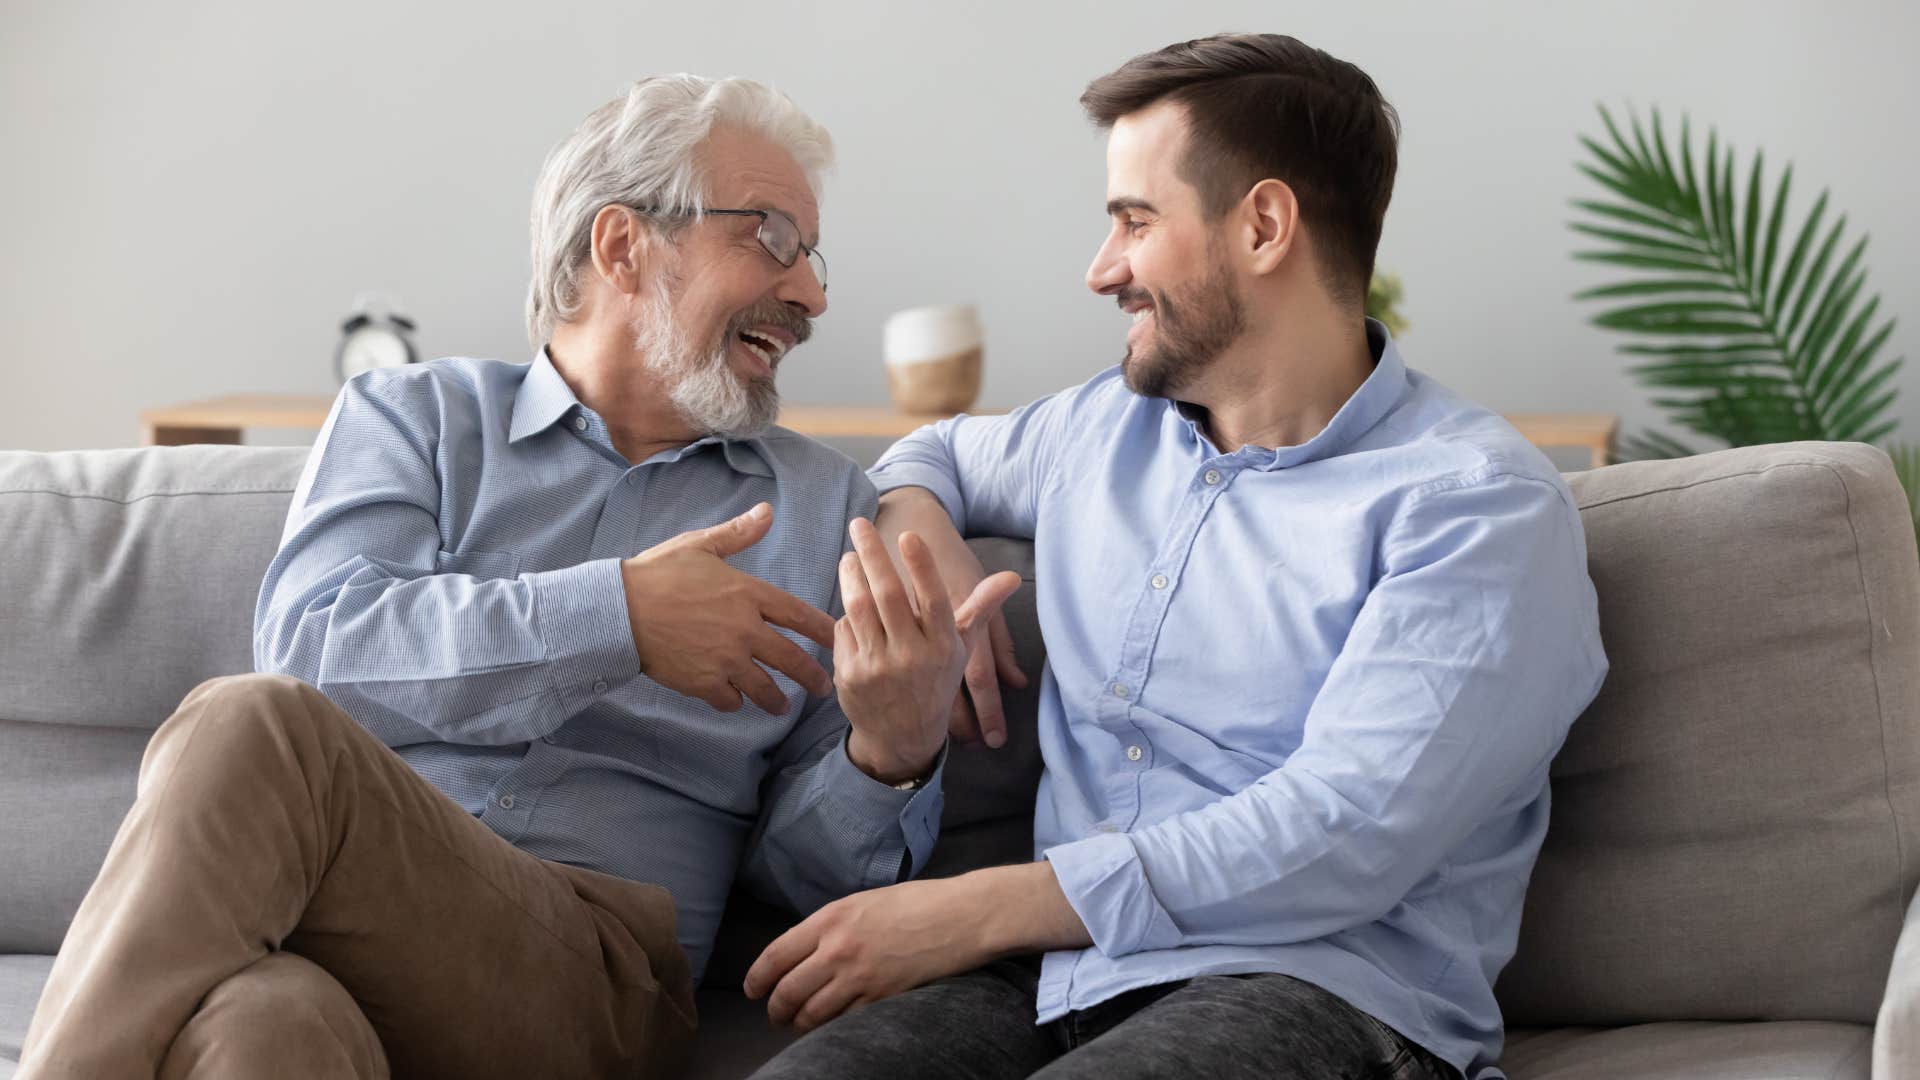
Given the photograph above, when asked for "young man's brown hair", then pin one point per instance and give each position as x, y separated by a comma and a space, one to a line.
1266, 106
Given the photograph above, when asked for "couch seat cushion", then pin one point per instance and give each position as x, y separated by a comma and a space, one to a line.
734, 1037
1787, 1050
21, 977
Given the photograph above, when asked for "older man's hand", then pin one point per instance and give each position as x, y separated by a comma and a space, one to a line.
704, 629
978, 714
900, 652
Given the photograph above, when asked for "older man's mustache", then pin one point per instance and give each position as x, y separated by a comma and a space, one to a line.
775, 314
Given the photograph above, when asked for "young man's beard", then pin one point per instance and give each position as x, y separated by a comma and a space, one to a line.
1191, 328
705, 390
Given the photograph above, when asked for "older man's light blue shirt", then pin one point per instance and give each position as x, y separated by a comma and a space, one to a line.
1299, 704
450, 576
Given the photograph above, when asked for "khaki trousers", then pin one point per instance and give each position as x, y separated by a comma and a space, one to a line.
288, 898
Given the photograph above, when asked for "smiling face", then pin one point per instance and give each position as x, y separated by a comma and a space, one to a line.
723, 312
1163, 261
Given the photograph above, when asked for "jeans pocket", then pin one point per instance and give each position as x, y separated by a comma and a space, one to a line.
1408, 1060
1401, 1058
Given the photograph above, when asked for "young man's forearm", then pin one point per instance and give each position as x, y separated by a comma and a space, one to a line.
916, 510
1025, 910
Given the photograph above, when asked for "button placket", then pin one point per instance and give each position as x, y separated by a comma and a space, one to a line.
613, 534
1144, 625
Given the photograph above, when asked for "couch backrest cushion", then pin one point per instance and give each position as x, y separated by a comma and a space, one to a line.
1735, 817
988, 820
63, 790
127, 577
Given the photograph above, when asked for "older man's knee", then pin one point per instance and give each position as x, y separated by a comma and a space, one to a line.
248, 719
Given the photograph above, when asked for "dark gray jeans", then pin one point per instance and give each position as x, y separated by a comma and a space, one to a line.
979, 1026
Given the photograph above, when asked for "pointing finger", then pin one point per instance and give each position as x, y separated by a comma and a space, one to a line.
736, 535
782, 608
889, 595
983, 686
862, 618
936, 611
782, 655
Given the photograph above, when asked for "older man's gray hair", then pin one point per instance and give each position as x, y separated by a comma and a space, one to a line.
643, 150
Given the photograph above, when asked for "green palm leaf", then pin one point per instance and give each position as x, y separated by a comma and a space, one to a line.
1745, 343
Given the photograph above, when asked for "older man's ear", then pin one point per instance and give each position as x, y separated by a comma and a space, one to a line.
622, 248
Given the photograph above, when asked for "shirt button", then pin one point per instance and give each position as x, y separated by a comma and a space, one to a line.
1134, 753
1159, 581
1212, 477
580, 424
600, 687
1105, 829
506, 801
1120, 690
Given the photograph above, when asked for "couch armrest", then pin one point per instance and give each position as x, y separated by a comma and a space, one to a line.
1896, 1031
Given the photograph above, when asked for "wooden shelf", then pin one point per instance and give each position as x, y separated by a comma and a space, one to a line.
224, 419
1593, 432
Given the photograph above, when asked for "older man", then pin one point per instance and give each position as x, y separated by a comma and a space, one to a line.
541, 711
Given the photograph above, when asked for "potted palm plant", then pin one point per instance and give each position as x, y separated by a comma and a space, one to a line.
1748, 332
1384, 292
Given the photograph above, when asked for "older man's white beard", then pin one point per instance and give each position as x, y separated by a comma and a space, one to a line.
704, 389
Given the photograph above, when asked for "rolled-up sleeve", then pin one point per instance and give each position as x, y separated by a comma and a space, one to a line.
1467, 664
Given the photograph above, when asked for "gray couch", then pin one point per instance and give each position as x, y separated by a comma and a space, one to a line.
1736, 820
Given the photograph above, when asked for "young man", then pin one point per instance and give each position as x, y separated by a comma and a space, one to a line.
536, 601
1315, 626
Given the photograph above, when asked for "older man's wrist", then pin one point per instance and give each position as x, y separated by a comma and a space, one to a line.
891, 767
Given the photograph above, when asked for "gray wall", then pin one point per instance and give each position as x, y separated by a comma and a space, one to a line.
194, 191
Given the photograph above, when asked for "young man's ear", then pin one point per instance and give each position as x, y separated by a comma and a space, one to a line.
1273, 224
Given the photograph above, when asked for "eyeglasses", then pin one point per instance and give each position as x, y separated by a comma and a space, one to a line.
777, 234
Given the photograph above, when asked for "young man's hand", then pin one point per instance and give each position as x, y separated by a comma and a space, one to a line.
901, 650
881, 942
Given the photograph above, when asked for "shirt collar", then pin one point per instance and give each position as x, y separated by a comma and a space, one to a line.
544, 399
1376, 397
743, 455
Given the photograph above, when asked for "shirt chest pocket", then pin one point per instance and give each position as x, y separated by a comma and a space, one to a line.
486, 565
